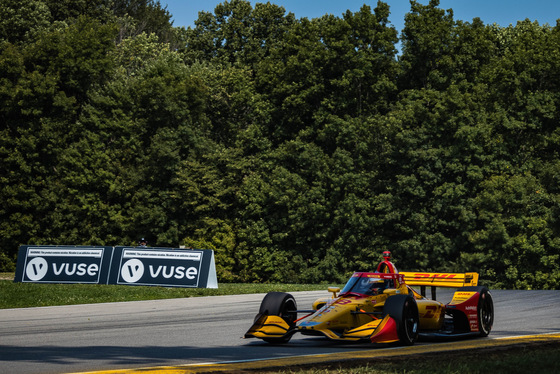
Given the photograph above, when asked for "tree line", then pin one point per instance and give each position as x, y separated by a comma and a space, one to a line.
297, 149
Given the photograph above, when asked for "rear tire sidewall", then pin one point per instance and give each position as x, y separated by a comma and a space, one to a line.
484, 308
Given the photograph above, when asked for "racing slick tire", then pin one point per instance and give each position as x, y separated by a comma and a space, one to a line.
280, 304
403, 309
485, 308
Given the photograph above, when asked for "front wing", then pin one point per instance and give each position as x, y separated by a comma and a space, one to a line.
270, 327
276, 328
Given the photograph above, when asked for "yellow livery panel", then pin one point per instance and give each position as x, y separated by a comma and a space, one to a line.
455, 280
268, 327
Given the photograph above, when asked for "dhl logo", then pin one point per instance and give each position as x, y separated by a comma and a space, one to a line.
434, 275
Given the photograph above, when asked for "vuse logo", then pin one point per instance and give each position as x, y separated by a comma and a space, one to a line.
36, 269
132, 270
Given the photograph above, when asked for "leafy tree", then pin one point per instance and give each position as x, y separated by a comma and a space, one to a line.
427, 40
21, 21
237, 33
149, 119
517, 228
69, 10
143, 16
39, 131
296, 149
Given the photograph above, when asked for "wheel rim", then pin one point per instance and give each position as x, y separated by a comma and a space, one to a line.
288, 310
410, 322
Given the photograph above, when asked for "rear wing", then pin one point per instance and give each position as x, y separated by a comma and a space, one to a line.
453, 280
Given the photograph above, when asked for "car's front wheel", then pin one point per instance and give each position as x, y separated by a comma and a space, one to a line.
280, 304
403, 309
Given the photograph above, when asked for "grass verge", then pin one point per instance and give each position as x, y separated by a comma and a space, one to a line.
542, 358
25, 295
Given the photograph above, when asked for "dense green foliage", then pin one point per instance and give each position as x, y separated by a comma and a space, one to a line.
296, 149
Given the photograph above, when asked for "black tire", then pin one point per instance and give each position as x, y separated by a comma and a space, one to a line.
403, 309
280, 304
485, 308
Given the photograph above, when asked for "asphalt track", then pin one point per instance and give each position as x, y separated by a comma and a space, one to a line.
205, 334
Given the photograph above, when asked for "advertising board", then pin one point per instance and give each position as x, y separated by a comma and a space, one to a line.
63, 264
166, 267
139, 266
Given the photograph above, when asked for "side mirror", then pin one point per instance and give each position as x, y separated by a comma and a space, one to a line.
334, 290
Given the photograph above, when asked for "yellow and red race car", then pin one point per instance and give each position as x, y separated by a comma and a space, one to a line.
381, 308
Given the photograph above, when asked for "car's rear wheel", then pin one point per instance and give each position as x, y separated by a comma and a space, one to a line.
280, 304
485, 308
403, 309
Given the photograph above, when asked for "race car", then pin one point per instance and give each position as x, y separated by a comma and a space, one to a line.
381, 308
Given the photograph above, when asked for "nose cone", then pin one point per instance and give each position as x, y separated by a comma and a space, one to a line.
328, 317
308, 324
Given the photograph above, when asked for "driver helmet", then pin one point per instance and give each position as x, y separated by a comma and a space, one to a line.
377, 286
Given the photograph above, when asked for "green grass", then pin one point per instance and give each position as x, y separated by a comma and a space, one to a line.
25, 295
532, 358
